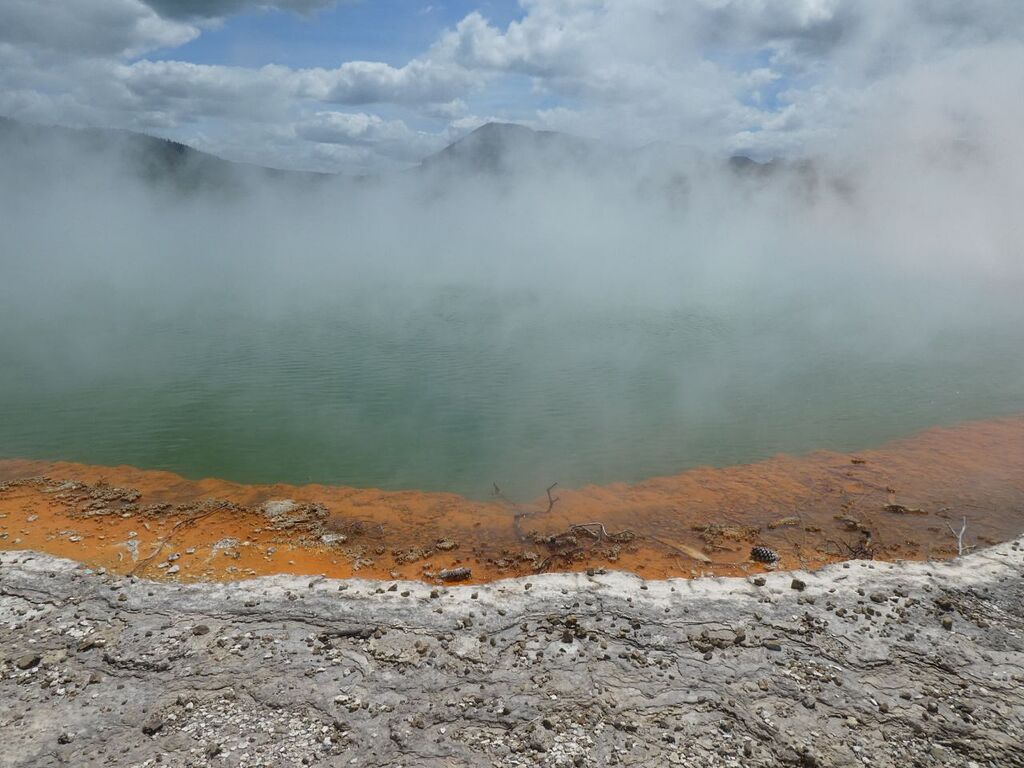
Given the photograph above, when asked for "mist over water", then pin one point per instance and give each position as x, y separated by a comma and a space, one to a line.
606, 319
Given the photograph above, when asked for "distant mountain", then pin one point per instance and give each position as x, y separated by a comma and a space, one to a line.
504, 148
151, 158
494, 150
744, 165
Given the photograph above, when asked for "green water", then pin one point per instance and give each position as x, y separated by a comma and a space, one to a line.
467, 387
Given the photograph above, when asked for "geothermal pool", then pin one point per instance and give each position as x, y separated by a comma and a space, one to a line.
467, 387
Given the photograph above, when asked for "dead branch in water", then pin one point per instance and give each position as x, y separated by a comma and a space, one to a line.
566, 546
601, 533
551, 499
523, 513
864, 549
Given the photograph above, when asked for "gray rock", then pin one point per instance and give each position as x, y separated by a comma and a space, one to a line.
586, 670
153, 724
28, 661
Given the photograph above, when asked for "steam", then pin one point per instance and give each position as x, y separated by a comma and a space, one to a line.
599, 317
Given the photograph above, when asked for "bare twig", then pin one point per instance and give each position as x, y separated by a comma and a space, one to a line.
960, 546
587, 529
188, 521
602, 533
519, 515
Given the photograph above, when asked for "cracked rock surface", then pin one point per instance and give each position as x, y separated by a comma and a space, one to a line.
867, 664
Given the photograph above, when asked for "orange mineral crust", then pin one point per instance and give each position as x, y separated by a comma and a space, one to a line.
898, 501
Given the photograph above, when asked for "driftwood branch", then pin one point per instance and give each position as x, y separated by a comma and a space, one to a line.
551, 499
517, 520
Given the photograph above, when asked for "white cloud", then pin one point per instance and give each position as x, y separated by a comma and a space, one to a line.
421, 81
696, 70
89, 27
764, 76
449, 110
351, 128
389, 138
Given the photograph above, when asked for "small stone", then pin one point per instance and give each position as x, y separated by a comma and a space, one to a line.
152, 725
798, 585
28, 661
200, 629
65, 738
772, 645
947, 622
878, 597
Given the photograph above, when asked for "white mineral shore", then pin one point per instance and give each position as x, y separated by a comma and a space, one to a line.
863, 663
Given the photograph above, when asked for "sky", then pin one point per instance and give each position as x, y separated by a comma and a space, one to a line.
365, 85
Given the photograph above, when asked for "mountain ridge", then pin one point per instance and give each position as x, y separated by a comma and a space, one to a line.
495, 149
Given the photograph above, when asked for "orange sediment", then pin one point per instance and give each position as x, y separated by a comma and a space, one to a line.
897, 501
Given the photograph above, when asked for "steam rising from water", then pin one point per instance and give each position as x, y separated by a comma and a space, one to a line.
593, 318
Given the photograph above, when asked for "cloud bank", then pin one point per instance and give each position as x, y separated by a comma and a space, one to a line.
762, 77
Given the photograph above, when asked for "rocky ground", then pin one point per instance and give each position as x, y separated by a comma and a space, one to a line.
861, 663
